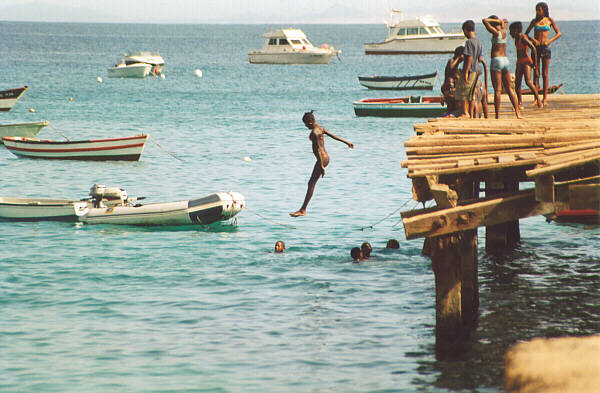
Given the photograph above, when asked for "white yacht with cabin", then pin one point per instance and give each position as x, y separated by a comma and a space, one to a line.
422, 35
137, 65
290, 46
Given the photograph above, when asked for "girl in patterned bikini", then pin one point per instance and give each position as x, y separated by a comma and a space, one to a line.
542, 23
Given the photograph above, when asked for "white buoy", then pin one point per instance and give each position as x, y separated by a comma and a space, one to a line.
99, 79
198, 73
247, 159
162, 76
31, 110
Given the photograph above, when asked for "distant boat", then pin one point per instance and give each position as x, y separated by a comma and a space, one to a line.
146, 57
9, 97
551, 90
136, 70
416, 82
290, 46
422, 35
115, 149
413, 106
25, 130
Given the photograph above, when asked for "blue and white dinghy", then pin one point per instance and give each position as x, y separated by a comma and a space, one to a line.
220, 206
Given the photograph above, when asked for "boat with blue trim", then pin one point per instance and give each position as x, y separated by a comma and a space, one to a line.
412, 106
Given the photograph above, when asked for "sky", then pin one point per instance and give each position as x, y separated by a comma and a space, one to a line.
282, 11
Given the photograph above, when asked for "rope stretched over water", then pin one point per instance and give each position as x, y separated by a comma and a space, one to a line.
269, 220
386, 217
165, 150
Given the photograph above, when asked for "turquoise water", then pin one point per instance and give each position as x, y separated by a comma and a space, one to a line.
107, 308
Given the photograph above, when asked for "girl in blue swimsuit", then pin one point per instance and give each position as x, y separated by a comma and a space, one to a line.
542, 23
499, 65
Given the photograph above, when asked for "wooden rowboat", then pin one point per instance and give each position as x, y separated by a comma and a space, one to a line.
115, 149
26, 130
9, 97
413, 106
551, 90
416, 82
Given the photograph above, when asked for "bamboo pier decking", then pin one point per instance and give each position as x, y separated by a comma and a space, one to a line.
540, 165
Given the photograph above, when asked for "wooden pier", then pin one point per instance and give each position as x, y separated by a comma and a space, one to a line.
493, 172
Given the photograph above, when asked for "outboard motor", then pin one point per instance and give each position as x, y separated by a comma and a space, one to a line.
103, 196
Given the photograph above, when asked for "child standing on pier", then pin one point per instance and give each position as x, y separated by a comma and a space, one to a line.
316, 136
524, 62
471, 70
499, 64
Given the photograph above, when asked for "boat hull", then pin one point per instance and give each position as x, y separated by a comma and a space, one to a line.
290, 58
117, 149
8, 98
36, 209
424, 45
138, 70
417, 82
401, 107
220, 206
24, 130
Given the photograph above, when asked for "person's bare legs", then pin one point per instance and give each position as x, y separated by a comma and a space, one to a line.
511, 93
497, 84
527, 74
312, 182
545, 67
518, 80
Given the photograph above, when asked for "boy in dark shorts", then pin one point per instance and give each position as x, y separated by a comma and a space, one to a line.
471, 70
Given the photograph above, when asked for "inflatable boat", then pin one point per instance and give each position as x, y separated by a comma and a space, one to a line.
220, 206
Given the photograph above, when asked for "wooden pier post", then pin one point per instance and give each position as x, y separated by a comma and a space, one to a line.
455, 267
503, 236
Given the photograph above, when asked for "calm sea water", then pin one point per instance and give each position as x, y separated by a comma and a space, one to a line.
125, 309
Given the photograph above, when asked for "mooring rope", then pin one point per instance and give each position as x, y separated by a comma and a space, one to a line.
386, 217
63, 135
269, 220
165, 150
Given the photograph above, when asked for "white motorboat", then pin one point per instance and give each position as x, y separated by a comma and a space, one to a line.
112, 149
111, 205
422, 35
220, 206
290, 46
146, 57
135, 70
25, 130
9, 97
41, 209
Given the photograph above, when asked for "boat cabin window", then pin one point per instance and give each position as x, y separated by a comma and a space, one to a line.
297, 42
402, 31
305, 42
272, 41
438, 30
283, 41
423, 30
412, 31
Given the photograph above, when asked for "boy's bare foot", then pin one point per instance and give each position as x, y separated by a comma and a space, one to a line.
299, 213
544, 104
538, 104
464, 117
521, 105
518, 115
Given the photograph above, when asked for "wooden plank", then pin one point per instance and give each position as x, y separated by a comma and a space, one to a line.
560, 167
444, 197
474, 168
489, 212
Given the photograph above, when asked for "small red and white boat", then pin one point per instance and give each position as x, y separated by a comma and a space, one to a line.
115, 149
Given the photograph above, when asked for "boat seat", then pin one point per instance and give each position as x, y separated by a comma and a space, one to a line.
415, 99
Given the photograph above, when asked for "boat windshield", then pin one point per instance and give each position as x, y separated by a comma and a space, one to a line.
272, 41
283, 41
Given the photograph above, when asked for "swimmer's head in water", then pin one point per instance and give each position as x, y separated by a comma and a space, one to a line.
392, 243
309, 119
356, 254
366, 249
279, 246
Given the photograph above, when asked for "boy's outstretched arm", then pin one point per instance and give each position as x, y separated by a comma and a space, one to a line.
337, 138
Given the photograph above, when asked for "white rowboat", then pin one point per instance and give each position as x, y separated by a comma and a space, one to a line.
40, 209
115, 149
416, 82
25, 130
9, 97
